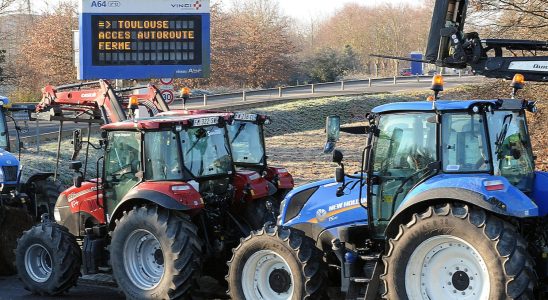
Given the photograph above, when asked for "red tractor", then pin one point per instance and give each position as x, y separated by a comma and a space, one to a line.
166, 198
247, 139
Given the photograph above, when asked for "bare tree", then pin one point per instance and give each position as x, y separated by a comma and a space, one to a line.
511, 18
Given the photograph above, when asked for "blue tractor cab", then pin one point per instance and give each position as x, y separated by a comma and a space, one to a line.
21, 203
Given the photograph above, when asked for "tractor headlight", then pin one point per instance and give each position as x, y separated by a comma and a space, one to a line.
1, 175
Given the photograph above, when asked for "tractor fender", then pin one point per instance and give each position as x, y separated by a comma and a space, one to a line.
138, 197
38, 177
417, 202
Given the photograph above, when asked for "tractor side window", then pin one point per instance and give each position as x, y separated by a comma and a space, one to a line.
123, 153
406, 144
464, 143
122, 163
246, 142
511, 147
162, 156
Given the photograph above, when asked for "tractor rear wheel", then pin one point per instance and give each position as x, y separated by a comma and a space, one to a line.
13, 221
157, 254
276, 263
458, 252
48, 259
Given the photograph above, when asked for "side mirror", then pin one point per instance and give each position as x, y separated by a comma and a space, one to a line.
76, 142
75, 165
338, 156
332, 129
339, 174
78, 179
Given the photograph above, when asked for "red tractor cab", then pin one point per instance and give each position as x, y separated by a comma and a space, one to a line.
247, 140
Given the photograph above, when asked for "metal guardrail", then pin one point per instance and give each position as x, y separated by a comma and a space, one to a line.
313, 87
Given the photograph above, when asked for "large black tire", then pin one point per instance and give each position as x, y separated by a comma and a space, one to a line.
44, 192
502, 249
177, 253
60, 253
13, 221
301, 256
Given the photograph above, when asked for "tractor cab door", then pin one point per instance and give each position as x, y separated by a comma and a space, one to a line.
402, 151
122, 166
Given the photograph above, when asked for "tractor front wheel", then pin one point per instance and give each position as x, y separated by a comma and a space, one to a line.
276, 263
48, 259
458, 252
155, 254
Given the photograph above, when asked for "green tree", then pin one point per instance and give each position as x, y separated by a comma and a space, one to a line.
328, 64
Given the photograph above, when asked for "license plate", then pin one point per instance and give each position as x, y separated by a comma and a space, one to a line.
245, 117
206, 121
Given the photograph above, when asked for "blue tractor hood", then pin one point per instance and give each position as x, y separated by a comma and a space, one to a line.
317, 203
9, 165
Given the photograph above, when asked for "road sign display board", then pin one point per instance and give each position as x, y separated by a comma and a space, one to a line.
141, 39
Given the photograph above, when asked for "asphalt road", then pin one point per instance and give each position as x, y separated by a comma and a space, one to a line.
101, 288
291, 93
11, 288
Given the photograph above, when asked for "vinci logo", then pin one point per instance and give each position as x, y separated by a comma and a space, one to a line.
193, 5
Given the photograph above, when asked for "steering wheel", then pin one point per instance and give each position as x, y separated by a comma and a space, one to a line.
124, 171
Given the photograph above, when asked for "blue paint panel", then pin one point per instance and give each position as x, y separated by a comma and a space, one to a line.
540, 192
326, 209
89, 71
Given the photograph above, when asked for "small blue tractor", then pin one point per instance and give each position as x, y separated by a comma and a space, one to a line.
446, 205
21, 204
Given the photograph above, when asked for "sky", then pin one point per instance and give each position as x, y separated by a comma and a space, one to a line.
302, 10
306, 9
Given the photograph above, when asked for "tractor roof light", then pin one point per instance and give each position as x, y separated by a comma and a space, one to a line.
517, 84
518, 81
437, 83
133, 101
437, 86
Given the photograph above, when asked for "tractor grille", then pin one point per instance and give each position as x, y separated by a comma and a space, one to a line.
10, 173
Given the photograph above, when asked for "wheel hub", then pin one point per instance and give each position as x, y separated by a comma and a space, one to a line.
460, 280
446, 267
267, 276
143, 259
38, 263
280, 281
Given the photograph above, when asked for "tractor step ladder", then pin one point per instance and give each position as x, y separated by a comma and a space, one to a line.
360, 286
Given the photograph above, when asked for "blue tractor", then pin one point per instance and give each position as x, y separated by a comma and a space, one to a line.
446, 205
21, 203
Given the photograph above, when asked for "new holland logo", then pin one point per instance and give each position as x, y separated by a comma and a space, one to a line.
321, 215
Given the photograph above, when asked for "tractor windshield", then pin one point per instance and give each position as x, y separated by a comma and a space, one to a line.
511, 148
206, 151
247, 142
